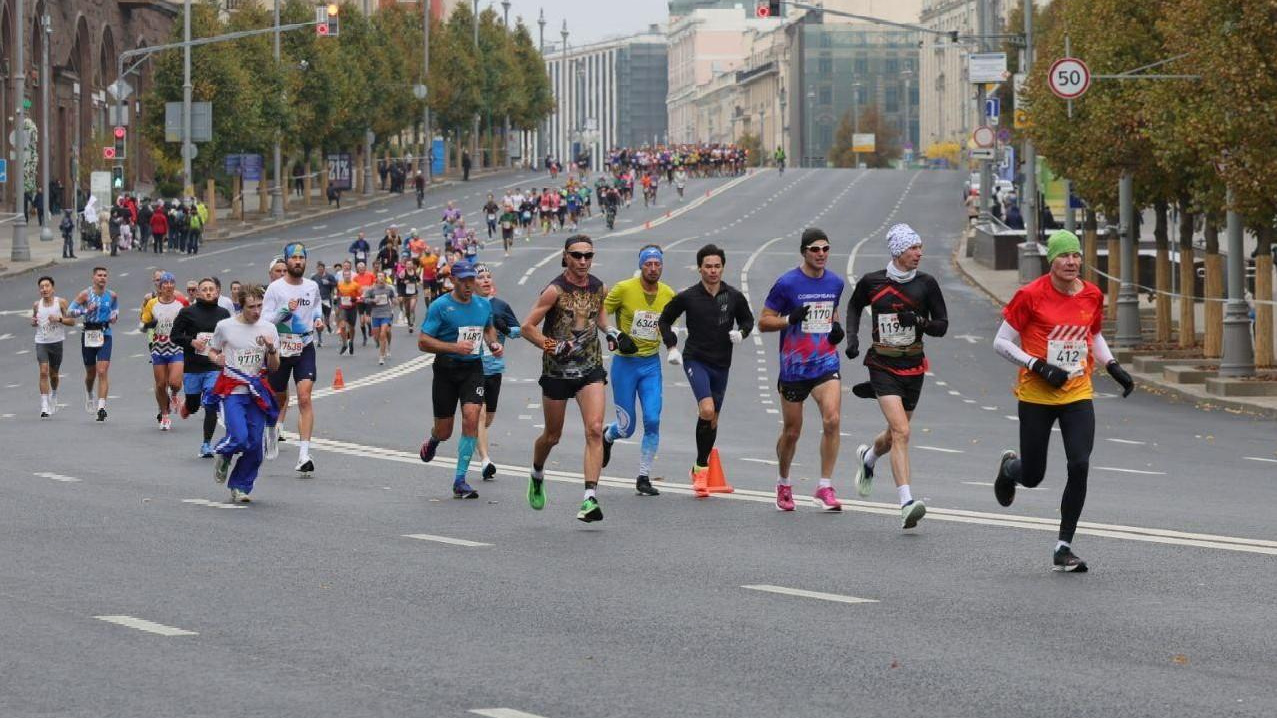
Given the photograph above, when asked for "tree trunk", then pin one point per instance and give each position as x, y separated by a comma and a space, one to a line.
1114, 271
1213, 334
1162, 272
307, 182
1090, 247
1187, 278
1264, 293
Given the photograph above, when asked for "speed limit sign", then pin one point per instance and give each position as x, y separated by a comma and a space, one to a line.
1069, 78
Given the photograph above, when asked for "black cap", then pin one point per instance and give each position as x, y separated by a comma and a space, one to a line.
810, 235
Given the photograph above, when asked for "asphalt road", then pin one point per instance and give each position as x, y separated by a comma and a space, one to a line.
336, 597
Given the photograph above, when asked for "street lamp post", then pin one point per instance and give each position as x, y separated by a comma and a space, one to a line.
855, 119
427, 154
474, 132
784, 119
1239, 353
20, 252
277, 164
46, 229
810, 144
75, 168
544, 128
188, 178
907, 75
505, 133
563, 85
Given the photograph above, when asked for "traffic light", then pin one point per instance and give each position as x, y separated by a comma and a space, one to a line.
117, 177
767, 8
108, 153
333, 28
121, 142
326, 20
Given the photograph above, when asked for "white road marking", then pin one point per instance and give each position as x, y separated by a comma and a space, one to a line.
12, 386
1259, 458
937, 448
1008, 417
55, 477
837, 598
769, 462
148, 626
1017, 488
954, 393
968, 401
1002, 520
1126, 441
525, 417
989, 408
446, 539
1129, 471
216, 504
23, 351
855, 250
502, 713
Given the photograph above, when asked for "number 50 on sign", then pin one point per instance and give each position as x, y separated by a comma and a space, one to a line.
1069, 78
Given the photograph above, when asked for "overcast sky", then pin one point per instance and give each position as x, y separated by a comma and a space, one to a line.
588, 20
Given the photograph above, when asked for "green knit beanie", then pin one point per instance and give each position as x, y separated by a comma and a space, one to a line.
1060, 242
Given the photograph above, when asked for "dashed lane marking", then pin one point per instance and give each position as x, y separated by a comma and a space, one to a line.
1260, 458
802, 593
503, 713
55, 477
213, 504
447, 540
1129, 471
1017, 488
1125, 441
148, 626
939, 449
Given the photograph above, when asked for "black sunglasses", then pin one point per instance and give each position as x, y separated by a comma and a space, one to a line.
819, 250
581, 255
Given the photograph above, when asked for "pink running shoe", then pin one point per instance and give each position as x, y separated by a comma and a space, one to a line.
826, 500
784, 498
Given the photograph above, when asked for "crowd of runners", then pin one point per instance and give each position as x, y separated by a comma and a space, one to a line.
240, 357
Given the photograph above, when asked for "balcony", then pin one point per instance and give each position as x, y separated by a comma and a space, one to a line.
168, 7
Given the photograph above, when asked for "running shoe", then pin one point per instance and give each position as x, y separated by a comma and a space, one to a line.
864, 472
784, 497
271, 442
53, 403
44, 414
239, 497
342, 350
166, 423
699, 476
89, 404
590, 511
304, 465
489, 471
462, 490
536, 493
175, 403
1003, 484
428, 449
101, 414
221, 468
206, 450
911, 513
381, 361
1066, 560
607, 451
644, 487
182, 411
826, 500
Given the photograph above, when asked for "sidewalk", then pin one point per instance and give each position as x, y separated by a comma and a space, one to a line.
1147, 367
46, 254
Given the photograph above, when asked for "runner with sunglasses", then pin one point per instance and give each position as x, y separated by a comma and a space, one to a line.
292, 303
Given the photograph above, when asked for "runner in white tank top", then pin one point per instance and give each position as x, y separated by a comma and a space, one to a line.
50, 318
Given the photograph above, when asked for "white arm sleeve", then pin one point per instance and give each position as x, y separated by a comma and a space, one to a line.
1103, 355
1007, 345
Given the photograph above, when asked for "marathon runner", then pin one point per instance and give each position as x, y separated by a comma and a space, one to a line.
326, 282
365, 279
166, 355
490, 213
349, 296
192, 331
570, 314
457, 328
245, 346
50, 315
1051, 330
905, 304
803, 306
507, 325
359, 249
408, 287
381, 297
292, 304
100, 308
718, 317
637, 303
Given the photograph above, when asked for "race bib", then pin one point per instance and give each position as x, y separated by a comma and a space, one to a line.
891, 334
248, 361
1068, 354
203, 337
410, 288
492, 218
820, 318
381, 300
163, 329
471, 334
645, 326
347, 302
94, 338
291, 345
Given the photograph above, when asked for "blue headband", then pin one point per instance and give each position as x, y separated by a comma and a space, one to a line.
650, 253
293, 249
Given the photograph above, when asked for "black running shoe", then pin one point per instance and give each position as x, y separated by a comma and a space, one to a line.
1066, 560
101, 414
644, 487
1004, 485
607, 451
462, 490
489, 471
428, 450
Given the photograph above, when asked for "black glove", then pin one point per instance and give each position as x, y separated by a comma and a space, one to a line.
1120, 376
625, 343
501, 325
909, 319
797, 316
1054, 375
836, 334
853, 347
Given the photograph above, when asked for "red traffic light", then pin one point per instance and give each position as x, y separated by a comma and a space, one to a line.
108, 153
119, 133
762, 10
321, 29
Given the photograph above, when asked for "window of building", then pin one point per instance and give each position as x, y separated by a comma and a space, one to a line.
861, 66
891, 99
892, 66
825, 66
826, 95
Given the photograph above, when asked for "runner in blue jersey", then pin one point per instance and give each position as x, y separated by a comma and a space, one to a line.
458, 329
100, 308
803, 306
507, 325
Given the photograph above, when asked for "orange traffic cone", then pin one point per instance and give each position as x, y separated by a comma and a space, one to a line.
338, 381
717, 482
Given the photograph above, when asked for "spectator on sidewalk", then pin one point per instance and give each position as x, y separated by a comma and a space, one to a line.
465, 165
159, 229
1014, 219
334, 195
67, 225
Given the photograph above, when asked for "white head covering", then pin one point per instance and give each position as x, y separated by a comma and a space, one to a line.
900, 238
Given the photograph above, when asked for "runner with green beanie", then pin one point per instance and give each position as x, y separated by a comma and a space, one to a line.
1060, 242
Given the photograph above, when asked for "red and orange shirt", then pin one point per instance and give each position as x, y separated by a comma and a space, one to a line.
1059, 328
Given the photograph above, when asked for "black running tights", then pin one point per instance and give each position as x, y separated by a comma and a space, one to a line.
1077, 428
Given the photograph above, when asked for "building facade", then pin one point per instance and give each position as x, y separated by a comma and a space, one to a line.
84, 40
950, 110
607, 94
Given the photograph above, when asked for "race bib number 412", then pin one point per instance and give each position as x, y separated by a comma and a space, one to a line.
1068, 354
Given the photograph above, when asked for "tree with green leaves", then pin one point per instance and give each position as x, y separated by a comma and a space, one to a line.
886, 140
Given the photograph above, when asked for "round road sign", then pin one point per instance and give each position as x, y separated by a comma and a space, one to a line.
983, 136
1069, 78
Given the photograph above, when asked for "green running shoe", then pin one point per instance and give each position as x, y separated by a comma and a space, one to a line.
536, 493
590, 511
911, 513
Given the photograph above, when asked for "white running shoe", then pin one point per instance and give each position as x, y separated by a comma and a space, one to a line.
864, 474
270, 442
304, 465
239, 497
53, 403
166, 423
90, 404
221, 468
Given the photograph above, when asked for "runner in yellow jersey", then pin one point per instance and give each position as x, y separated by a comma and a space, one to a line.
635, 339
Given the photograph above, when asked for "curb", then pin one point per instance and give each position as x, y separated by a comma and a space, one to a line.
1149, 382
